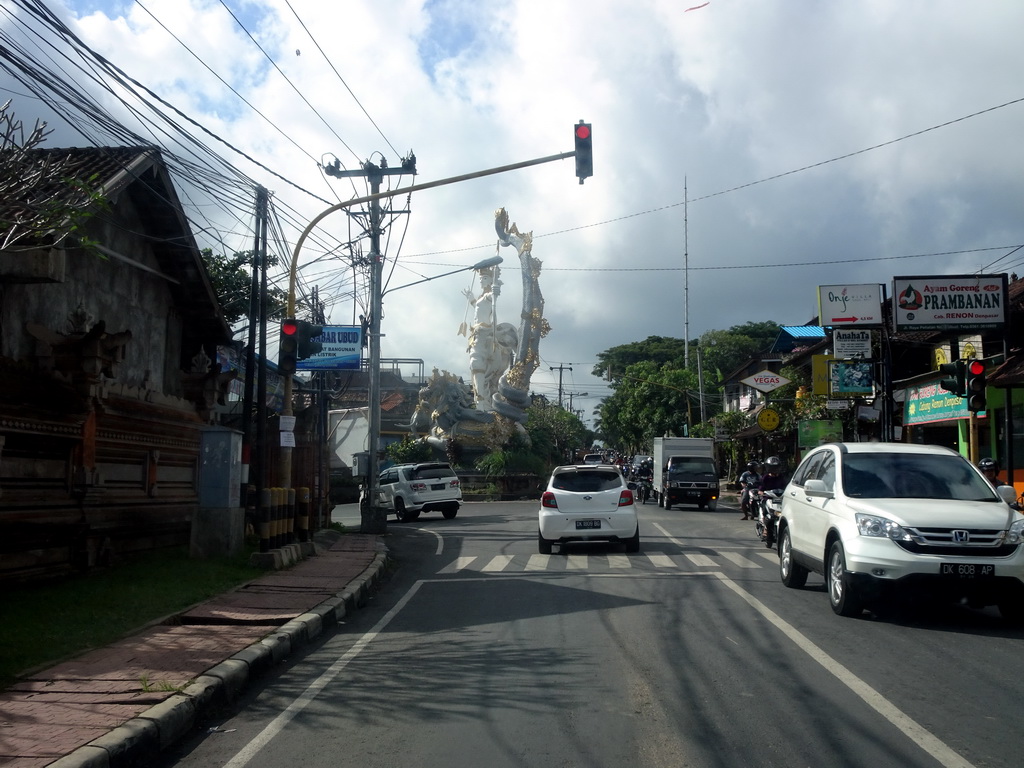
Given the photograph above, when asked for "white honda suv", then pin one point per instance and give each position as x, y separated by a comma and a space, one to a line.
871, 517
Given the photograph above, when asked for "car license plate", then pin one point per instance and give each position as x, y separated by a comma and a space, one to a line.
693, 493
968, 570
587, 524
437, 487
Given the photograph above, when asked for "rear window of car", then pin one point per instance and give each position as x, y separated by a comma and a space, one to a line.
586, 481
428, 473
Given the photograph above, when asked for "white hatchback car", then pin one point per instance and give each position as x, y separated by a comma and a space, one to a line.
872, 517
587, 502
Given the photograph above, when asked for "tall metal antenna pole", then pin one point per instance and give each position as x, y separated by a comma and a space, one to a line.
686, 280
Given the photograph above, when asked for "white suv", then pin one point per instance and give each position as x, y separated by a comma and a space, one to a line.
587, 502
873, 516
408, 489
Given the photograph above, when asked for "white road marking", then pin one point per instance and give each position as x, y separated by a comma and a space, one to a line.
662, 561
910, 728
576, 562
619, 561
538, 562
497, 563
739, 560
701, 560
458, 564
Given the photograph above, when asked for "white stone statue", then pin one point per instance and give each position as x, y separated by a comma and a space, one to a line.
491, 344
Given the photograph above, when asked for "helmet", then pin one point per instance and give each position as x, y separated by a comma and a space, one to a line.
988, 465
773, 463
751, 465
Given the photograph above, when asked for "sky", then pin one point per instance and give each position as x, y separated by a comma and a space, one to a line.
745, 151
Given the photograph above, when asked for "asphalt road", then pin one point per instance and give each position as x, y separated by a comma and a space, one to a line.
480, 652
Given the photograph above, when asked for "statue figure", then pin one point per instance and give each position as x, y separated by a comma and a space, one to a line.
444, 411
491, 344
513, 396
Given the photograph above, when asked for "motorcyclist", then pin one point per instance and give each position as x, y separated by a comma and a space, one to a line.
990, 469
749, 480
772, 480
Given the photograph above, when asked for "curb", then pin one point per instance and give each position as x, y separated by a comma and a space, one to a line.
165, 723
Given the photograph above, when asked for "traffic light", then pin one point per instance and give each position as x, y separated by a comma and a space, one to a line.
306, 346
976, 386
584, 151
955, 380
287, 355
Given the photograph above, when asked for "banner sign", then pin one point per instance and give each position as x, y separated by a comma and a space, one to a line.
342, 350
765, 381
850, 344
814, 432
852, 378
929, 402
949, 302
846, 305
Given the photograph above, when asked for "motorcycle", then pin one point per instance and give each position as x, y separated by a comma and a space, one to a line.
643, 489
769, 505
748, 500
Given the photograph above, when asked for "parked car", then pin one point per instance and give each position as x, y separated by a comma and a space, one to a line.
584, 502
408, 489
878, 517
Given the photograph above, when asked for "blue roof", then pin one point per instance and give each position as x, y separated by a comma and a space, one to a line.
804, 331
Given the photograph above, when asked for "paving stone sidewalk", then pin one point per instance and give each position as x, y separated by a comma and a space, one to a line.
145, 692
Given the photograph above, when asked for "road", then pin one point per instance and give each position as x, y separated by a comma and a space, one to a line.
480, 652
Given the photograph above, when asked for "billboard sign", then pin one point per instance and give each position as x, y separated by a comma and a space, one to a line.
846, 305
848, 345
930, 402
765, 381
342, 348
949, 302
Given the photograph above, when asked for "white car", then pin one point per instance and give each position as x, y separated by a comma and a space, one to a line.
408, 489
872, 517
587, 502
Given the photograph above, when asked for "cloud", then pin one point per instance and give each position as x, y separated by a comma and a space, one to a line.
756, 115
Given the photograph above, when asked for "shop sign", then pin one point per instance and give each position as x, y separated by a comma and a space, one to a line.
929, 403
949, 302
846, 305
765, 381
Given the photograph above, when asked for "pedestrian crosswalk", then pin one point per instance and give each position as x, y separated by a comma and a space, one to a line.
612, 562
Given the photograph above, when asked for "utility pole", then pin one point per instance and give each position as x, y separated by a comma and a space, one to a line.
560, 368
373, 518
576, 394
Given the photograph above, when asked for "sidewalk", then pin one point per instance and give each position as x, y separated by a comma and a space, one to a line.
145, 692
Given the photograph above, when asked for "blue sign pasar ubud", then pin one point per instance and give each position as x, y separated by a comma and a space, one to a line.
342, 350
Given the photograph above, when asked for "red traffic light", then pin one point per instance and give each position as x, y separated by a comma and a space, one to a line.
976, 368
583, 131
289, 327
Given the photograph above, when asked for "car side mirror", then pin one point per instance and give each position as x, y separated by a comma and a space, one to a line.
1007, 493
817, 488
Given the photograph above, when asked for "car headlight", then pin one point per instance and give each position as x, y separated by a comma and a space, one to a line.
880, 527
1015, 535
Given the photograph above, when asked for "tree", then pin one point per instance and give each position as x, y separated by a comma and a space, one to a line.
654, 349
232, 282
44, 197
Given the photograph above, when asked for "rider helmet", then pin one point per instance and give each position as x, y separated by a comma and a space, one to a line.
988, 465
752, 465
773, 463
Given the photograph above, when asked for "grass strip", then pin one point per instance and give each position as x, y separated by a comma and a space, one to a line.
42, 624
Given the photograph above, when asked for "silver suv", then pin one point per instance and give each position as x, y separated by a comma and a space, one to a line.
408, 489
872, 517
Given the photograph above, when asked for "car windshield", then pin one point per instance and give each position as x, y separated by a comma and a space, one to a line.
913, 476
691, 468
586, 480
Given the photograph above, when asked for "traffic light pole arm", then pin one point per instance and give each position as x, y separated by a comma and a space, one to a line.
393, 193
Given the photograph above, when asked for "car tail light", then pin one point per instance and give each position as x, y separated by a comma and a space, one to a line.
418, 486
548, 500
625, 498
455, 483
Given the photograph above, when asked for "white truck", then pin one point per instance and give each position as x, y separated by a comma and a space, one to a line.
685, 472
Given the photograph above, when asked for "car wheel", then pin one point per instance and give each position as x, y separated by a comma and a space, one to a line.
400, 513
633, 542
450, 512
713, 505
668, 504
792, 573
543, 545
660, 499
842, 592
